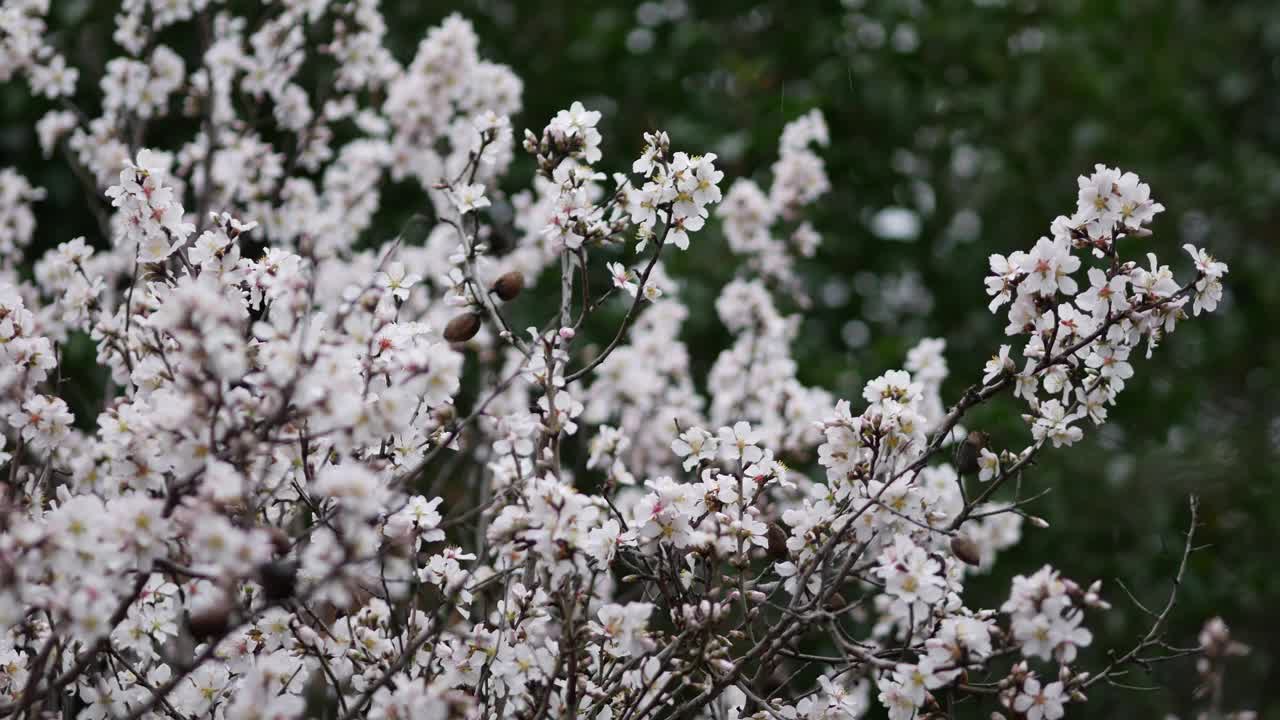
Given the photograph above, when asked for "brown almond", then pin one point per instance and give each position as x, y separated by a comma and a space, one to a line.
966, 549
969, 451
508, 286
462, 328
210, 622
279, 580
778, 543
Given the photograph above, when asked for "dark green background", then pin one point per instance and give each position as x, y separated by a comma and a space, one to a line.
1019, 96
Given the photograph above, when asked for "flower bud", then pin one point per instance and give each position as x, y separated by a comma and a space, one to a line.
966, 550
835, 602
462, 328
508, 286
307, 636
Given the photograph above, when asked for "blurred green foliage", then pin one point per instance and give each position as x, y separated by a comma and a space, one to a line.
975, 116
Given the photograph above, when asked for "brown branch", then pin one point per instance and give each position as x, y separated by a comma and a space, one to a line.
631, 313
1152, 638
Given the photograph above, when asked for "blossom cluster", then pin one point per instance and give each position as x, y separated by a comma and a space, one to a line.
17, 222
330, 476
1077, 355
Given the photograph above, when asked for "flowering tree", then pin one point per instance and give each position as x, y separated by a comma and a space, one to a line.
330, 476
